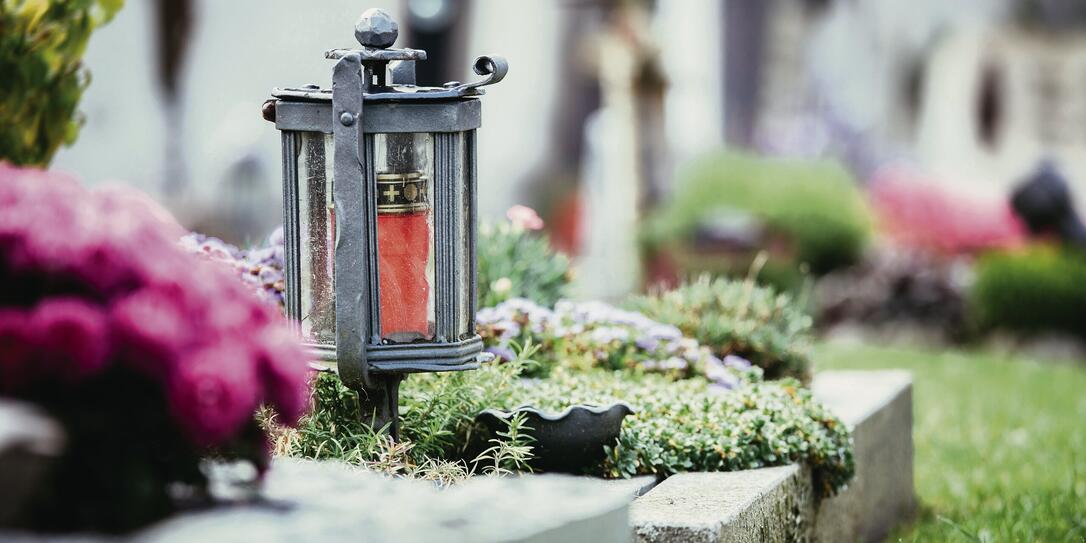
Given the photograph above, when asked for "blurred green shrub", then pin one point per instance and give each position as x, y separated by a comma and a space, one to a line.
515, 262
1040, 288
737, 318
41, 74
815, 204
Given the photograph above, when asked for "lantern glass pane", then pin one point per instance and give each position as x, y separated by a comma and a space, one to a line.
317, 235
463, 200
405, 235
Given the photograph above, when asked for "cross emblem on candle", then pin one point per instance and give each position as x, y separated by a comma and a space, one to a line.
391, 193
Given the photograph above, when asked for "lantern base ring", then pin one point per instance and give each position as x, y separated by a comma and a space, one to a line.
389, 364
466, 354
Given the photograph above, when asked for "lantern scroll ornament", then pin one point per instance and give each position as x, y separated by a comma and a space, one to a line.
379, 191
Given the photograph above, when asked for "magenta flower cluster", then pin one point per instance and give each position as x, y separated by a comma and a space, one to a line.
94, 281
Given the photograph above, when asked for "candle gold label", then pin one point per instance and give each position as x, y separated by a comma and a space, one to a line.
402, 193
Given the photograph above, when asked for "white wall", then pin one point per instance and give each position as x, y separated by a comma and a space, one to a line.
244, 48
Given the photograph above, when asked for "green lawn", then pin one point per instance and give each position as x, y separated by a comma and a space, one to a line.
1000, 443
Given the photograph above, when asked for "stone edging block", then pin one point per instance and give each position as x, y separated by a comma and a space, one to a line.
777, 504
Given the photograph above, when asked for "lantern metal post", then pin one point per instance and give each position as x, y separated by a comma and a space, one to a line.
371, 101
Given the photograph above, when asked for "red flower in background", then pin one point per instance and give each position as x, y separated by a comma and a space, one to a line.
915, 212
93, 282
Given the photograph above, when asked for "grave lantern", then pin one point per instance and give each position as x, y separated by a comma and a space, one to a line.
379, 193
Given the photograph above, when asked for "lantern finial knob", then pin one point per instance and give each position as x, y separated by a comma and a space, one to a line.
376, 29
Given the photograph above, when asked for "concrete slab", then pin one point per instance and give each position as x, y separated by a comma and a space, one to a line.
332, 502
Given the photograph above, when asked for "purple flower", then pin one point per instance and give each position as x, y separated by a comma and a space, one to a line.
503, 353
647, 343
595, 331
609, 334
663, 332
737, 362
260, 268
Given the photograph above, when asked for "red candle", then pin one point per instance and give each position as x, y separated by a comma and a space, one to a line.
403, 252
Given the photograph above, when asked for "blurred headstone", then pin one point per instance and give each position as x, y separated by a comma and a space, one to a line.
1045, 204
621, 161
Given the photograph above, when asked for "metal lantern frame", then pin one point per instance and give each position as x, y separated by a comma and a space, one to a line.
374, 92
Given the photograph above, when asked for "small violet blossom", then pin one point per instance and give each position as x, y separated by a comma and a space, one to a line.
596, 330
260, 268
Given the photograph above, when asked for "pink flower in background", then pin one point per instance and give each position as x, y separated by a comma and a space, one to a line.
524, 217
917, 213
95, 282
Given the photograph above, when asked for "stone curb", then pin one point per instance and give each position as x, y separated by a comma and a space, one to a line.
777, 504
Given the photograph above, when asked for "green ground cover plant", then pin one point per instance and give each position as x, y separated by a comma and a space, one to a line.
999, 443
687, 425
681, 425
739, 318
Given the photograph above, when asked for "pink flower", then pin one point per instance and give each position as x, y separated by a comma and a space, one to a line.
110, 286
105, 267
151, 331
524, 217
284, 374
17, 347
136, 208
917, 213
72, 338
215, 392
